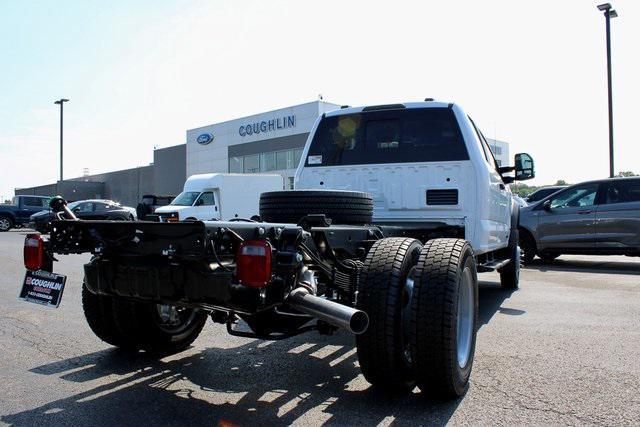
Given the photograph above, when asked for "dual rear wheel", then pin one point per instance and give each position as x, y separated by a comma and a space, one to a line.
155, 328
422, 303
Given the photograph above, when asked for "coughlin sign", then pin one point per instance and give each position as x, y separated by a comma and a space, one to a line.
265, 126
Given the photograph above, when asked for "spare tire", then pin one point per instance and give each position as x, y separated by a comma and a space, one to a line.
342, 207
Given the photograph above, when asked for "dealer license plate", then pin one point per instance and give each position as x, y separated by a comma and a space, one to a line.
42, 287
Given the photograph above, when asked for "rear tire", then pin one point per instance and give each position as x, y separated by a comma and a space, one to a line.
142, 324
343, 207
98, 310
444, 317
139, 325
384, 294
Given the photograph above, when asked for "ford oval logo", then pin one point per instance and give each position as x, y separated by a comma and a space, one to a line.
204, 139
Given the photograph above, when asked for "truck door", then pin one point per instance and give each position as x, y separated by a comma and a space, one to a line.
569, 221
500, 196
618, 215
205, 207
29, 206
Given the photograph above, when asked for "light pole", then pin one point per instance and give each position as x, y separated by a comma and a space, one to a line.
61, 103
608, 14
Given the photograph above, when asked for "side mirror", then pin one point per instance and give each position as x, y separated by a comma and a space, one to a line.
547, 205
525, 168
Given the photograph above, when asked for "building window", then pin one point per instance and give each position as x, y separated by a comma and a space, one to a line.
281, 160
252, 164
267, 162
291, 183
236, 165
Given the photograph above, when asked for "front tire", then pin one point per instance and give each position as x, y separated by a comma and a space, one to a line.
384, 293
444, 317
6, 223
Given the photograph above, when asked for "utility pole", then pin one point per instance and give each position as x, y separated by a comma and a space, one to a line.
61, 103
608, 14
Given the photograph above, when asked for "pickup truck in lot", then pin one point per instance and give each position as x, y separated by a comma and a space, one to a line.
21, 208
396, 209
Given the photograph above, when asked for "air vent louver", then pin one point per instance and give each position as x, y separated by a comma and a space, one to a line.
442, 197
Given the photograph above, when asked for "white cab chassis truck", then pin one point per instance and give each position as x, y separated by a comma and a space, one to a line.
396, 209
219, 196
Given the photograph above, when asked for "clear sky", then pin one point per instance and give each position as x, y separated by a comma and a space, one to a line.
140, 73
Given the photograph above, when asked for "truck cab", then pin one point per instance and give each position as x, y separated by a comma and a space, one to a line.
218, 196
424, 163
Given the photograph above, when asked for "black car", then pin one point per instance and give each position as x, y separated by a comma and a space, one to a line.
86, 209
149, 203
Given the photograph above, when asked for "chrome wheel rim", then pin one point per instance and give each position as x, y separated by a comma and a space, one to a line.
465, 318
174, 319
4, 224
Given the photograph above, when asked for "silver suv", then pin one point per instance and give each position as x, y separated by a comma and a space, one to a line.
596, 217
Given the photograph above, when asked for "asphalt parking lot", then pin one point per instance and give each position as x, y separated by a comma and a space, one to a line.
561, 350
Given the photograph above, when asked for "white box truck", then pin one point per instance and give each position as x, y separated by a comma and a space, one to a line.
219, 196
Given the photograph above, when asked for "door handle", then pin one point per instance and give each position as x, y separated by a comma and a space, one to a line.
585, 212
502, 187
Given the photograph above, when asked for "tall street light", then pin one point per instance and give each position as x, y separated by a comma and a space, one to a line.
608, 14
61, 102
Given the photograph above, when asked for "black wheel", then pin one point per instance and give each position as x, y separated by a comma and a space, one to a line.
510, 274
156, 328
528, 246
548, 256
384, 293
444, 317
343, 207
6, 223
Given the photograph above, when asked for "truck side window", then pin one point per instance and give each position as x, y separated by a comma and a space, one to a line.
206, 199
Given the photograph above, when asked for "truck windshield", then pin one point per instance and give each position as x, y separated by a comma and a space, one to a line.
389, 136
186, 198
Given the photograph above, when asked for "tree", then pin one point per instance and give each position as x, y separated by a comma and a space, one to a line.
626, 173
561, 182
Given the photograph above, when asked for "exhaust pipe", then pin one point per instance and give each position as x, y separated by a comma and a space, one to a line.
342, 316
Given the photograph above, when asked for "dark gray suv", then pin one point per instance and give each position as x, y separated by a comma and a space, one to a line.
596, 217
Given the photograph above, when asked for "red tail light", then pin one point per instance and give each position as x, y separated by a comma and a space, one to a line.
254, 263
33, 252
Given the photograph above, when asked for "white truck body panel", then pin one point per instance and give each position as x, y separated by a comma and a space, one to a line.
235, 195
399, 189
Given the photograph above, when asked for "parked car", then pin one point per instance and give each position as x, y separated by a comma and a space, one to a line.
543, 192
85, 209
596, 217
149, 204
21, 208
396, 209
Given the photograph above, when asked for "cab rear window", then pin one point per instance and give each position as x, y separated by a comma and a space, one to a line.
390, 136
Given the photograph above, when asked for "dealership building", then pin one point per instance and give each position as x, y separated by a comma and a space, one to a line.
270, 142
